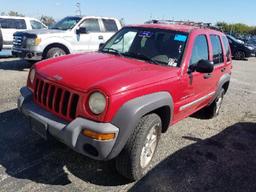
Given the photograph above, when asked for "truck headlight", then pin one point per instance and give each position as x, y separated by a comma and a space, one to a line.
32, 75
97, 103
34, 41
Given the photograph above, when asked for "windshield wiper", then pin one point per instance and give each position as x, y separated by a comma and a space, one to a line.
141, 57
111, 50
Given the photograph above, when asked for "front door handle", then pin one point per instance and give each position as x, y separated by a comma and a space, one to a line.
100, 37
207, 75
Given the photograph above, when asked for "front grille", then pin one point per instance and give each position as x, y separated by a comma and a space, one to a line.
18, 41
56, 99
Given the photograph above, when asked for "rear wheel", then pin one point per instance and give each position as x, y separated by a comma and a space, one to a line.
134, 161
55, 52
239, 55
214, 109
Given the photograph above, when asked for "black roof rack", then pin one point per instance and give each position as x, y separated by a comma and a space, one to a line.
189, 23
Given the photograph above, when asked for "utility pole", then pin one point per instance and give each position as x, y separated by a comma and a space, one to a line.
78, 9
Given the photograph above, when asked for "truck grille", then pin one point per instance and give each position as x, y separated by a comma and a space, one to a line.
56, 99
18, 41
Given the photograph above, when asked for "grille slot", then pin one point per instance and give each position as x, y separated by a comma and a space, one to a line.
18, 41
56, 99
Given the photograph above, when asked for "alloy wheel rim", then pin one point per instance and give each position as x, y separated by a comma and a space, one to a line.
149, 147
218, 104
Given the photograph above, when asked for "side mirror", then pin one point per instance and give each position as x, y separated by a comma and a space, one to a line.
204, 66
101, 46
81, 30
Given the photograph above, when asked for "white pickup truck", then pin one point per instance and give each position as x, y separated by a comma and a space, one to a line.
11, 24
72, 34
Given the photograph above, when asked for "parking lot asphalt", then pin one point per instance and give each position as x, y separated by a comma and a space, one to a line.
194, 155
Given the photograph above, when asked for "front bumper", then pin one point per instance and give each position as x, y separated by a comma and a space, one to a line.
27, 54
69, 133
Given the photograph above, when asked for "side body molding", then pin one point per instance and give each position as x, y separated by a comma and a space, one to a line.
130, 113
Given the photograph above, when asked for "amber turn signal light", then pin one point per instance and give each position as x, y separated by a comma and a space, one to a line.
99, 136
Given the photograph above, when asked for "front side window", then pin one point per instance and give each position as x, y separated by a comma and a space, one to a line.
110, 25
200, 50
154, 45
66, 23
217, 49
12, 23
91, 25
36, 25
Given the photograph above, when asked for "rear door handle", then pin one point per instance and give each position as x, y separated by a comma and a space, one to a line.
207, 75
100, 37
223, 69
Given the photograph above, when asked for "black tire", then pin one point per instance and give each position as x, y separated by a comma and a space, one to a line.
214, 109
129, 161
55, 52
239, 55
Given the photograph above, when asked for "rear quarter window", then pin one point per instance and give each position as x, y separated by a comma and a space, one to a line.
110, 25
226, 47
13, 23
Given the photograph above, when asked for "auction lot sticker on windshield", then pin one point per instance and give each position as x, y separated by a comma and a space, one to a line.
147, 34
181, 38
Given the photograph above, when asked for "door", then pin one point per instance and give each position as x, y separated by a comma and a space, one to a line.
197, 87
90, 40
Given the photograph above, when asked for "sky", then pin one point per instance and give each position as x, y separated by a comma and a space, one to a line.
139, 11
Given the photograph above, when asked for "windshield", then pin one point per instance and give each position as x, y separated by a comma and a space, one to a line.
156, 46
234, 39
66, 23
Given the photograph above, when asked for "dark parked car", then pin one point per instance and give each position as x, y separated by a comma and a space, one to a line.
239, 49
1, 40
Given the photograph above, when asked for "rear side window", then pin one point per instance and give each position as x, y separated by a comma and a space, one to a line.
12, 23
217, 49
91, 25
200, 50
227, 48
110, 25
36, 25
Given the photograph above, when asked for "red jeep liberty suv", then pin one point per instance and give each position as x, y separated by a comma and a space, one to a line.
115, 103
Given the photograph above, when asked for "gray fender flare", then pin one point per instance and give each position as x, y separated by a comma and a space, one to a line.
224, 79
128, 116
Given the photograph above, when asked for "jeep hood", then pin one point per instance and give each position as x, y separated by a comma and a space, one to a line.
107, 72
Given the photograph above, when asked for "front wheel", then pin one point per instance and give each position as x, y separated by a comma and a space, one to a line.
134, 161
55, 52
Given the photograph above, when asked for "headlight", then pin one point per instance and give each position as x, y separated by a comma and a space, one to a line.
33, 41
97, 103
32, 75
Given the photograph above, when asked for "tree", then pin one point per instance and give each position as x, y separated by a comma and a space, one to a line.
15, 13
47, 20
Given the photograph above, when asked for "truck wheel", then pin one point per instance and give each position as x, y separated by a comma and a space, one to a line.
239, 55
133, 162
214, 109
55, 52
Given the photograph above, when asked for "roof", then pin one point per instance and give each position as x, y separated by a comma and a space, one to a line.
182, 26
173, 27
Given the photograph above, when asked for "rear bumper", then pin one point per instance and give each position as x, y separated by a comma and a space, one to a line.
69, 133
27, 54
